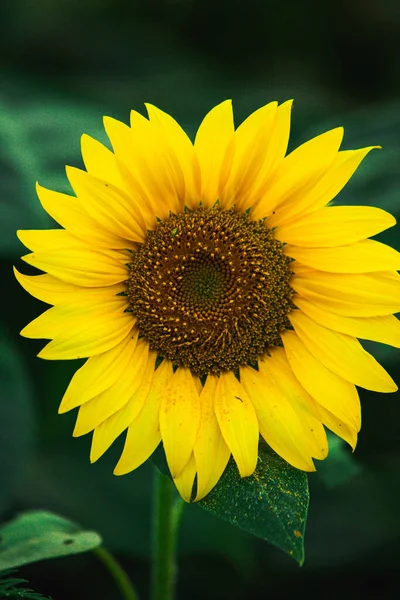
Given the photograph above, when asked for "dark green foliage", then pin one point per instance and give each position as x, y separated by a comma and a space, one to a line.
10, 587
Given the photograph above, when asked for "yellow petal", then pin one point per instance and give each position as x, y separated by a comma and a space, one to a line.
181, 151
108, 431
366, 256
213, 137
102, 163
69, 213
156, 165
238, 422
339, 427
384, 329
72, 314
45, 287
82, 339
278, 421
328, 186
299, 172
179, 419
39, 240
331, 391
114, 398
335, 226
127, 153
184, 482
210, 449
251, 142
144, 434
360, 295
342, 354
110, 207
98, 374
277, 368
80, 266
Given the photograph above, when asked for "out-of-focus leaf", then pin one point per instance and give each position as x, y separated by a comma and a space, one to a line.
36, 141
37, 535
16, 419
272, 503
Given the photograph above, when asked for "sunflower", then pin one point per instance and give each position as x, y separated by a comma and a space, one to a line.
215, 292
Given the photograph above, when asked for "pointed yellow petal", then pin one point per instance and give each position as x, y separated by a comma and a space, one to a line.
102, 163
238, 422
40, 240
144, 434
98, 374
339, 427
181, 153
45, 287
108, 431
100, 408
80, 266
210, 449
69, 314
212, 140
384, 329
252, 141
279, 424
360, 295
278, 369
327, 188
299, 172
366, 256
331, 391
127, 152
69, 212
342, 354
83, 339
156, 166
179, 419
110, 207
335, 226
184, 482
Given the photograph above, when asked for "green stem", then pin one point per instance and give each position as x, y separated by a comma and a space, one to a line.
167, 512
120, 577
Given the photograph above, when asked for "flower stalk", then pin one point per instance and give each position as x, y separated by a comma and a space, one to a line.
120, 576
167, 513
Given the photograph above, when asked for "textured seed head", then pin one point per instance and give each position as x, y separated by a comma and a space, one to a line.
210, 290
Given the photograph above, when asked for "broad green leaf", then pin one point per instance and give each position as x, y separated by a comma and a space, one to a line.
37, 535
271, 504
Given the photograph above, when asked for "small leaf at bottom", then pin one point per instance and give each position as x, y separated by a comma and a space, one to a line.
37, 535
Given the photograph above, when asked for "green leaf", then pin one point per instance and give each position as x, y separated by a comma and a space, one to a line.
37, 535
272, 503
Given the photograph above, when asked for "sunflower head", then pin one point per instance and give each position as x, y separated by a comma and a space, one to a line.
215, 291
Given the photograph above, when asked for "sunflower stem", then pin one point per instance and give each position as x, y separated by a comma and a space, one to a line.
167, 513
119, 575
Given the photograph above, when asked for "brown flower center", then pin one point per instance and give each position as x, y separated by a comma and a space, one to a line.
210, 290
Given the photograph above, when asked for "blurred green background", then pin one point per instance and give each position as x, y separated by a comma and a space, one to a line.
64, 65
